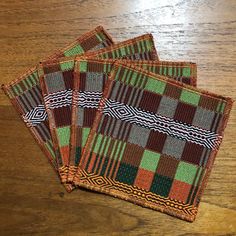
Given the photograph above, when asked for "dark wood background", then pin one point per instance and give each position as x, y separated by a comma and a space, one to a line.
32, 201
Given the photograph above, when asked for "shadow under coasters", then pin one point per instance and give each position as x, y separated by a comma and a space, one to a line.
25, 93
141, 151
56, 82
90, 76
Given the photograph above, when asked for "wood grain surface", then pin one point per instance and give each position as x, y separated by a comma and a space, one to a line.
32, 201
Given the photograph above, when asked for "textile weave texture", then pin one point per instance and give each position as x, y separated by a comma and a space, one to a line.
139, 48
25, 91
90, 76
153, 141
57, 84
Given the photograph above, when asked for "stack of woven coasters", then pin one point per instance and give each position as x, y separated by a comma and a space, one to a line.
26, 96
56, 83
115, 119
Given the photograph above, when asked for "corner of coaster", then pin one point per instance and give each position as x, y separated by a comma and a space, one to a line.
71, 173
63, 172
69, 187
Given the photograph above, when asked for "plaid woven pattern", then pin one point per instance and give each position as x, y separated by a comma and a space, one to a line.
89, 83
139, 48
57, 94
153, 141
25, 92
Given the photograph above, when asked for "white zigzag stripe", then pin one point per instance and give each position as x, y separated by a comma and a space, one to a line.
35, 116
89, 99
162, 124
58, 99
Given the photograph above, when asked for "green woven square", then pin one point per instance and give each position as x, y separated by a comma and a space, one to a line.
155, 86
83, 66
190, 97
150, 160
64, 136
186, 172
186, 72
74, 51
69, 65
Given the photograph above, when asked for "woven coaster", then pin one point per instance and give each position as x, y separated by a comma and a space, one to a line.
90, 76
56, 83
25, 93
153, 141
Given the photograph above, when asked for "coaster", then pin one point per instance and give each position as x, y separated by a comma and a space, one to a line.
25, 93
153, 141
90, 76
56, 83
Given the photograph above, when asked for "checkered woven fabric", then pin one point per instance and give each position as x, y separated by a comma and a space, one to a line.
153, 141
25, 92
57, 94
88, 42
89, 83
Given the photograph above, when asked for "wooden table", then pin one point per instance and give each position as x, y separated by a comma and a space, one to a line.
32, 201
